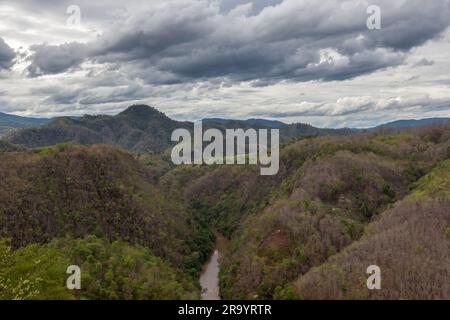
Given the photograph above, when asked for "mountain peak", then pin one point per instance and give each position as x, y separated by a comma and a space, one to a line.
143, 117
141, 110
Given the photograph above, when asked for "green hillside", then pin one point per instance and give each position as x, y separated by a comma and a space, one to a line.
76, 191
109, 271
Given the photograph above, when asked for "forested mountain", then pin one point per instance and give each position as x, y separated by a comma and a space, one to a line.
414, 123
9, 122
72, 192
142, 227
139, 128
410, 242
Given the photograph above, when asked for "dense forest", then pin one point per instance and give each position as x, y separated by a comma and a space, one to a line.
141, 228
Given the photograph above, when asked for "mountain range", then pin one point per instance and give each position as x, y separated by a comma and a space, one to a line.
251, 122
9, 122
141, 228
140, 128
414, 123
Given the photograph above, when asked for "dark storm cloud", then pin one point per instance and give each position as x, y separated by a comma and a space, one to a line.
114, 95
90, 93
56, 59
182, 41
63, 96
7, 55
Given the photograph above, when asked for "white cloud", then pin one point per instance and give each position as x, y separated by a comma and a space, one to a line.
231, 59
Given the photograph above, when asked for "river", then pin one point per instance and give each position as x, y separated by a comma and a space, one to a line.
209, 279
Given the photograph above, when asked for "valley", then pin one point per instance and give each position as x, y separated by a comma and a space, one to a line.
244, 152
140, 227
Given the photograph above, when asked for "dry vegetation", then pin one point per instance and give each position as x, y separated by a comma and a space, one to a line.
333, 188
338, 205
409, 244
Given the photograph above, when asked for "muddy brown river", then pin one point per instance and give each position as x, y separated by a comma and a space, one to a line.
209, 279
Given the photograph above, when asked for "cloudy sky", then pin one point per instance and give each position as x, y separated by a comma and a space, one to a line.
291, 60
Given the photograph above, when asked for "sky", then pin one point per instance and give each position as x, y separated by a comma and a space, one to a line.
304, 61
